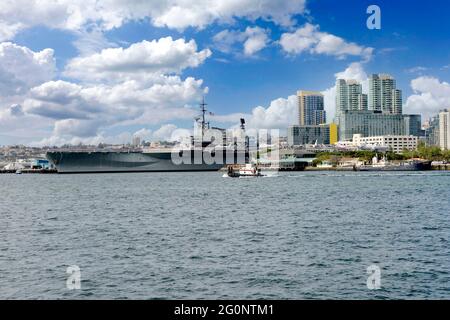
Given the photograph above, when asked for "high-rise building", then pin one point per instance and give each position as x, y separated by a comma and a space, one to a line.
387, 88
375, 123
432, 131
349, 96
444, 130
374, 93
383, 95
341, 96
397, 101
362, 102
311, 108
136, 141
413, 124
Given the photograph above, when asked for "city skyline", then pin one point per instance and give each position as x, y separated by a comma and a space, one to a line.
136, 70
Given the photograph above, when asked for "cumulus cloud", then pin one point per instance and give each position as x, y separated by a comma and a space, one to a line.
85, 111
22, 68
16, 110
310, 39
144, 134
355, 71
158, 56
252, 40
141, 84
16, 15
76, 127
170, 132
126, 101
430, 96
280, 113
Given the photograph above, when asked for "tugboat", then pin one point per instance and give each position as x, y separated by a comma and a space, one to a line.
249, 170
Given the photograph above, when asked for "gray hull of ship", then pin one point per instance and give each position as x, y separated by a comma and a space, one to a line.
109, 162
405, 167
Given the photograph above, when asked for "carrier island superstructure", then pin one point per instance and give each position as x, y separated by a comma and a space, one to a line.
196, 155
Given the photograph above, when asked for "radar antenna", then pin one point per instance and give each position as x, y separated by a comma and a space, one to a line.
204, 124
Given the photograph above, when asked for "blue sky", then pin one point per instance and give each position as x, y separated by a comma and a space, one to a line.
413, 45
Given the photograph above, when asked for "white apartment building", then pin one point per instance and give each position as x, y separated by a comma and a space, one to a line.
395, 143
444, 130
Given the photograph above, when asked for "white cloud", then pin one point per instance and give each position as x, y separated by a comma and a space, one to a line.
144, 134
226, 39
136, 85
170, 132
430, 96
184, 13
355, 71
16, 15
22, 68
253, 40
329, 100
417, 69
280, 113
165, 132
309, 39
158, 56
91, 40
17, 127
84, 111
126, 101
76, 128
257, 40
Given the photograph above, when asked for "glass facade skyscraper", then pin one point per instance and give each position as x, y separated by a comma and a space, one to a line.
383, 94
349, 96
376, 123
311, 108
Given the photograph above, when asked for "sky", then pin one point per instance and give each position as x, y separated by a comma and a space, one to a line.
93, 71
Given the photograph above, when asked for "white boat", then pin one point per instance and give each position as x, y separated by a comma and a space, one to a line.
249, 170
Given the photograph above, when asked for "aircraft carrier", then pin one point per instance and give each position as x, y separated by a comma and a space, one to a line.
196, 156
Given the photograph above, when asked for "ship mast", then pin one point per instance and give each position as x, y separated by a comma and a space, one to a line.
204, 124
